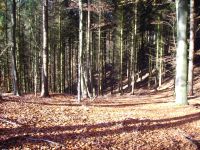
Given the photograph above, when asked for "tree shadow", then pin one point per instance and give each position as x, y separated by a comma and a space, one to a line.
92, 104
193, 97
196, 105
124, 104
46, 103
101, 129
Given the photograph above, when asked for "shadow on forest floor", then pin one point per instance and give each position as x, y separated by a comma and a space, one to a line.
96, 130
61, 134
101, 103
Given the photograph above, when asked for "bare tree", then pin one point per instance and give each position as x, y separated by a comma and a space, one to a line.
191, 50
80, 52
44, 88
12, 38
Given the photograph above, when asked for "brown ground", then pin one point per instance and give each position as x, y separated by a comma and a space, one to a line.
146, 121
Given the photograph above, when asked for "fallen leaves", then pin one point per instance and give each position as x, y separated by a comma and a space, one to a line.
122, 122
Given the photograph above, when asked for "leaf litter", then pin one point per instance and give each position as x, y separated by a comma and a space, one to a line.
150, 121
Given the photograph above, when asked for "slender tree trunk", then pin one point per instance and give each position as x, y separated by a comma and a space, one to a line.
92, 65
90, 52
54, 68
133, 48
13, 48
62, 55
150, 61
88, 74
6, 40
44, 87
80, 49
73, 60
70, 58
63, 67
181, 52
157, 54
191, 49
112, 82
121, 51
161, 50
99, 56
118, 43
35, 73
35, 63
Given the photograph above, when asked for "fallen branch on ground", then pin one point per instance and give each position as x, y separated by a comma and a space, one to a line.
44, 140
9, 122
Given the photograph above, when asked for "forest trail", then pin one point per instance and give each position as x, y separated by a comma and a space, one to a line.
146, 120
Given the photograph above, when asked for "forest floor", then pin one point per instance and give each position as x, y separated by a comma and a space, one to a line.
148, 120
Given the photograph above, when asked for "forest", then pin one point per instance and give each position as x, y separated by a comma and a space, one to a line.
100, 74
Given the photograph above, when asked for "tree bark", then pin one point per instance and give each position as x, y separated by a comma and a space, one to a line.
99, 60
181, 52
133, 47
80, 49
13, 48
191, 50
6, 40
89, 67
121, 52
44, 87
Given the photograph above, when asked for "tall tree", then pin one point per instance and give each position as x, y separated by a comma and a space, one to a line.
12, 37
44, 88
181, 52
80, 52
99, 54
191, 50
88, 55
133, 46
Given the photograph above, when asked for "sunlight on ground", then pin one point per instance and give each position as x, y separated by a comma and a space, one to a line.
150, 121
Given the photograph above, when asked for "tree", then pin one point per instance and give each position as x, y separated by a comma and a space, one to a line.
181, 52
80, 49
44, 88
12, 38
191, 50
88, 52
113, 44
134, 46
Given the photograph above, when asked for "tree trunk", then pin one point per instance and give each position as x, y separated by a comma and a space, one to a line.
161, 51
121, 52
133, 48
99, 64
181, 52
44, 87
80, 49
88, 52
6, 40
191, 50
12, 36
118, 44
